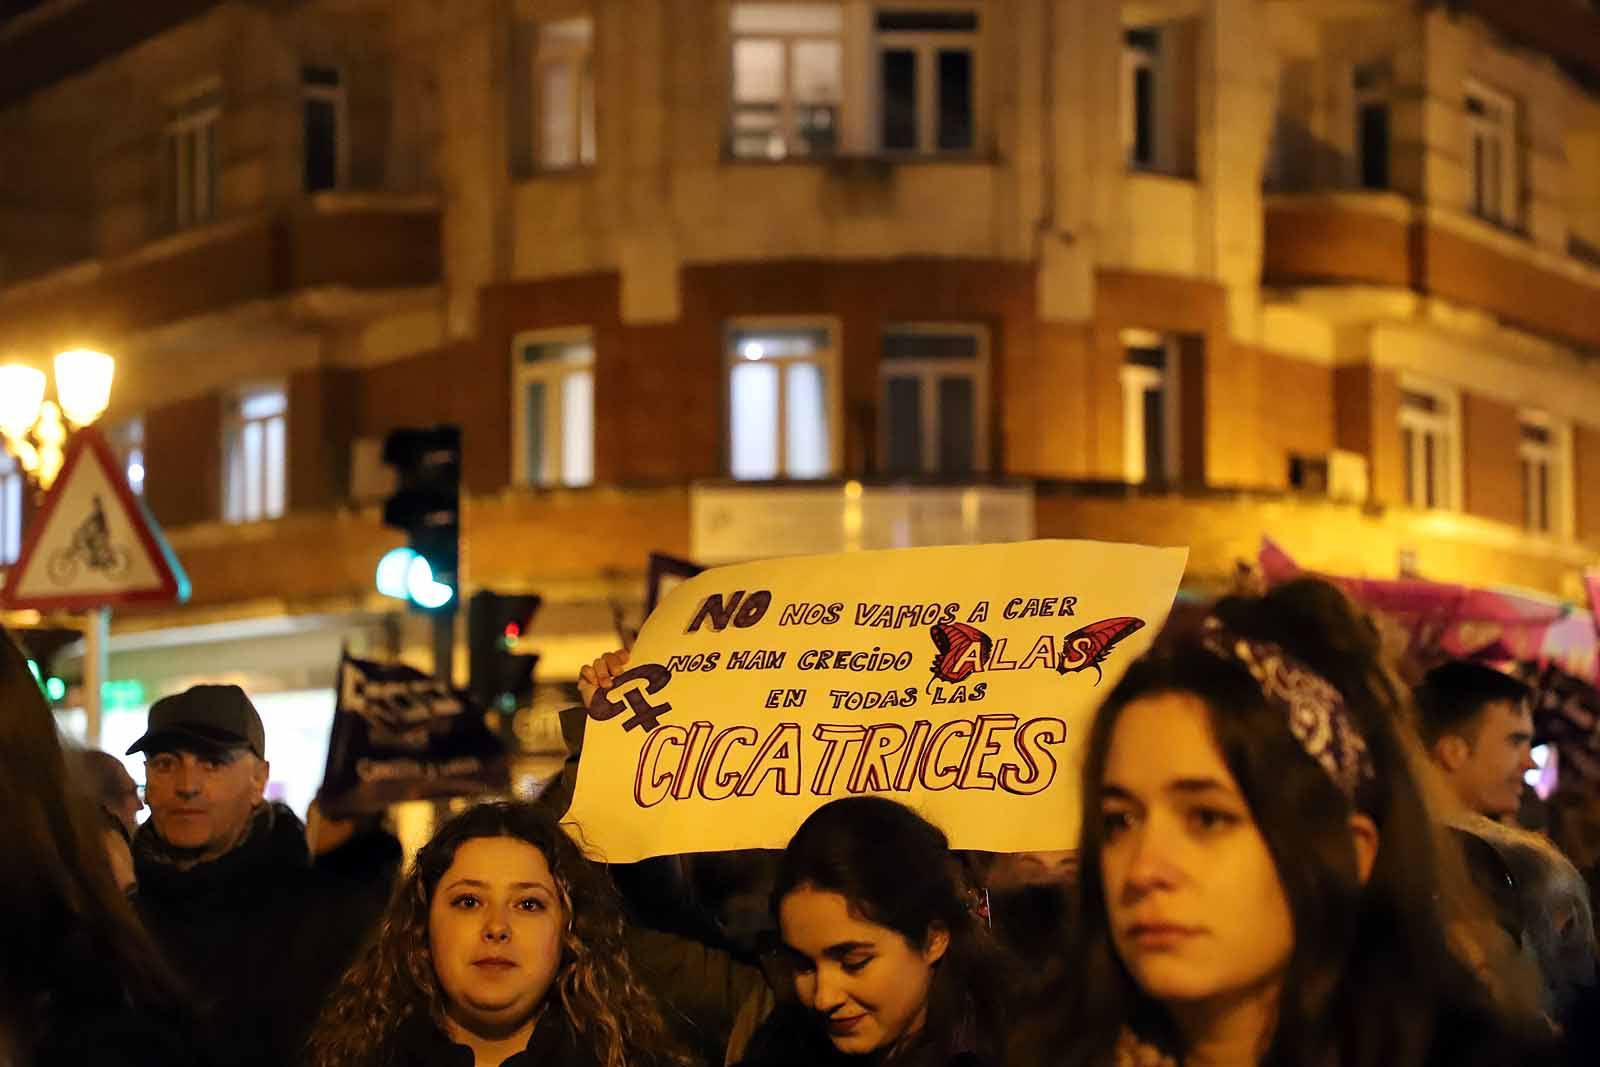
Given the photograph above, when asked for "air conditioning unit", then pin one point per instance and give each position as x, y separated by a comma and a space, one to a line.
1337, 475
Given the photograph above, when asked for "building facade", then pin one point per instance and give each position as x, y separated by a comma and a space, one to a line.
722, 279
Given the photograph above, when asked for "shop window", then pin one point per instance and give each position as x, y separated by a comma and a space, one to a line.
934, 415
553, 391
782, 409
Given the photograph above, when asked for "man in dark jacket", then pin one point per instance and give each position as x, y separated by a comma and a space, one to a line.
226, 885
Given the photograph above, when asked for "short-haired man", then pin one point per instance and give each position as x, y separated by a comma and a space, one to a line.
225, 881
1477, 726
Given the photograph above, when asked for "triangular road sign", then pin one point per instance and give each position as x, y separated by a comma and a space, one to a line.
93, 544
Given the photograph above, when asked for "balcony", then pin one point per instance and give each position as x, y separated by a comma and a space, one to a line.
1385, 240
355, 242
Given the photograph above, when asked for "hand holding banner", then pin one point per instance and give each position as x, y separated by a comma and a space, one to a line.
958, 680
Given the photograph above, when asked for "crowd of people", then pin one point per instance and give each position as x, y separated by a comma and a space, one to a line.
1286, 857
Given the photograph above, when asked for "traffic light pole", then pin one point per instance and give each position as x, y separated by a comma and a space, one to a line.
444, 646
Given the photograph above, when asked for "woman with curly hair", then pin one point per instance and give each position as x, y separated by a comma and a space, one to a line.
502, 945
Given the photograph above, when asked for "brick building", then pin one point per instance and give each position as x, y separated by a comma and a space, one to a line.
722, 278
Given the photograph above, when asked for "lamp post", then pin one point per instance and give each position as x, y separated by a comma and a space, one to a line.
32, 428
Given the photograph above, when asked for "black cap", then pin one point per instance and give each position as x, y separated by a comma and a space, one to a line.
213, 716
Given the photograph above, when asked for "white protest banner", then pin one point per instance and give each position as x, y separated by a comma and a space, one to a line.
960, 681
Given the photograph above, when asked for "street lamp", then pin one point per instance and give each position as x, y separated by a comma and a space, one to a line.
32, 426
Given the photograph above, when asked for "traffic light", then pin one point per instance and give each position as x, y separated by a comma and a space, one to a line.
427, 505
502, 677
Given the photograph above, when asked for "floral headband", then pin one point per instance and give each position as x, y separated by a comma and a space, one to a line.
1316, 710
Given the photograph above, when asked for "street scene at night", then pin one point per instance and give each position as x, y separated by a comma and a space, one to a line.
799, 533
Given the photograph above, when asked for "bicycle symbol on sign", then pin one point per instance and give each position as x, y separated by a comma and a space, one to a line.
92, 548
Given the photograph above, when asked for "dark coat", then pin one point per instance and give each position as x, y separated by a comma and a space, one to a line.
791, 1037
259, 935
420, 1044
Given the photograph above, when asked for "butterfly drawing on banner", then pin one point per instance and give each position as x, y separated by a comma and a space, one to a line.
1088, 647
955, 659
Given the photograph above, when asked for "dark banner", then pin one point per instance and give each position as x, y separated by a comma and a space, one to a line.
399, 734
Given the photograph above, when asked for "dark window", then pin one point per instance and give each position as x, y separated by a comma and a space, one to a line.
1144, 117
322, 144
955, 100
899, 99
1155, 436
904, 397
1374, 130
958, 416
927, 21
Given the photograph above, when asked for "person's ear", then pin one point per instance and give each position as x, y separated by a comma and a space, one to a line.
936, 944
1364, 835
1452, 752
258, 778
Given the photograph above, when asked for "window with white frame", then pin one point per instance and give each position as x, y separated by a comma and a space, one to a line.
552, 386
1372, 85
934, 400
1543, 452
255, 443
563, 80
12, 483
927, 80
322, 105
788, 79
1141, 97
1429, 433
782, 408
127, 441
1150, 409
1493, 167
192, 158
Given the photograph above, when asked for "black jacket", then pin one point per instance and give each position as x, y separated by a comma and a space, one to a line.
420, 1044
259, 935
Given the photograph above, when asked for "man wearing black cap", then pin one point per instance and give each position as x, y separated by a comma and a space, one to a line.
225, 881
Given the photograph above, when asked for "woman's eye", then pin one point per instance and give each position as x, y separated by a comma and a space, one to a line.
531, 904
465, 902
856, 966
1114, 823
1211, 819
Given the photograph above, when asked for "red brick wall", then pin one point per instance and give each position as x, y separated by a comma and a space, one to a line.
183, 460
1586, 481
1296, 405
1490, 468
1367, 421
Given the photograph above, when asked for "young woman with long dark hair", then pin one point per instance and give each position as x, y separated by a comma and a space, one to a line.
502, 944
80, 981
892, 962
1258, 882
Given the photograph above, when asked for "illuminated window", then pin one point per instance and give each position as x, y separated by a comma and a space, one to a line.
1429, 442
927, 80
323, 107
934, 414
254, 440
788, 80
12, 485
192, 159
1492, 160
563, 88
1150, 410
781, 403
553, 401
1544, 450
